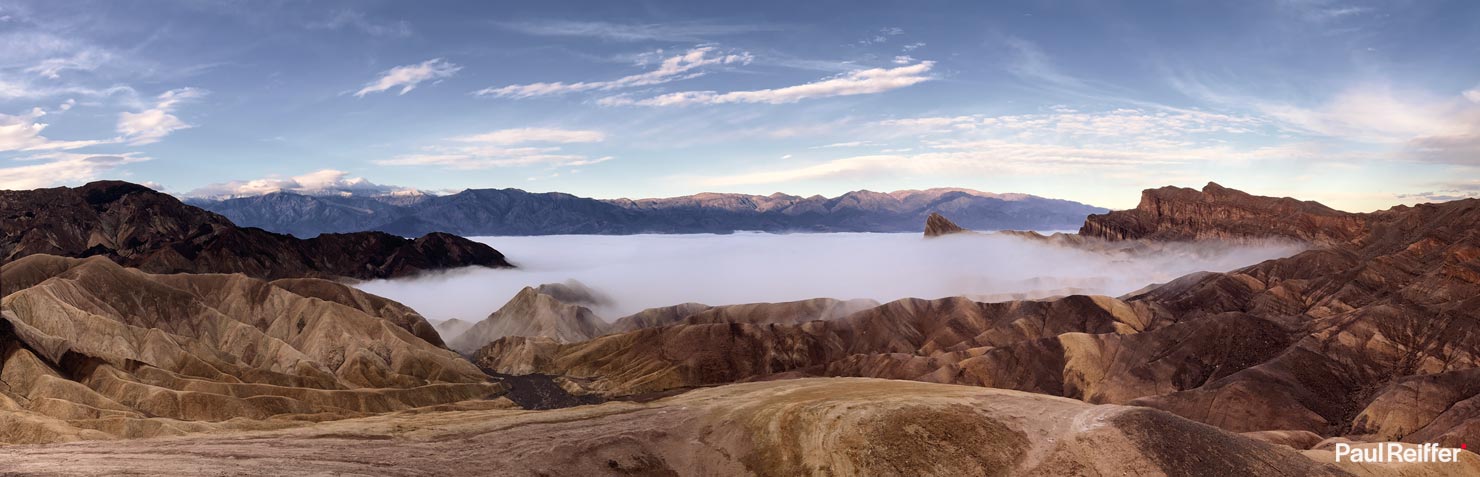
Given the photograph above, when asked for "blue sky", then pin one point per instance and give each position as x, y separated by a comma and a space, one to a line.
1359, 105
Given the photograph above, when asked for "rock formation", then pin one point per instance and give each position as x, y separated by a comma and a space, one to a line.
1333, 341
1175, 213
138, 227
93, 350
937, 225
795, 427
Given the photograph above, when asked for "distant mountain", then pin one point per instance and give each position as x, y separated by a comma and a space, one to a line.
517, 212
138, 227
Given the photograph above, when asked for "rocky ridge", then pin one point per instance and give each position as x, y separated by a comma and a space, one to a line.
92, 350
138, 227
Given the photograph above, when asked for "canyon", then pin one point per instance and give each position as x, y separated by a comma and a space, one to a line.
1368, 335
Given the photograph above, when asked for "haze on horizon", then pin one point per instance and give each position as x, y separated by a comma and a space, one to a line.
645, 271
1078, 100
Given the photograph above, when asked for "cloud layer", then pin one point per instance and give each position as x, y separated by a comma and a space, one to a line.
645, 271
323, 182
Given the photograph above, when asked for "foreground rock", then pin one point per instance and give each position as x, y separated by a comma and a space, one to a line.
93, 350
138, 227
797, 427
1372, 338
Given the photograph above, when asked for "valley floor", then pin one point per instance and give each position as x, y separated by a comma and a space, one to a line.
817, 426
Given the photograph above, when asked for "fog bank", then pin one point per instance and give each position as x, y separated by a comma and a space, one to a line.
643, 271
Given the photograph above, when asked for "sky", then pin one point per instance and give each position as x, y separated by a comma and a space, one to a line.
1361, 106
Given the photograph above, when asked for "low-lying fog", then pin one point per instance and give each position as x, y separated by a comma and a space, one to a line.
642, 271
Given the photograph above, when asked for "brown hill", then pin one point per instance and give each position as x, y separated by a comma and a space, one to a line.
797, 427
1332, 341
533, 313
90, 349
138, 227
1175, 213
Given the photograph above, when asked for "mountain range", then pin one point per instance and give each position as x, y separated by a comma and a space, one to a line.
245, 363
139, 227
476, 212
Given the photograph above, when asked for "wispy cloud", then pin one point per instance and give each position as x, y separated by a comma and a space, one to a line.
506, 137
882, 35
844, 144
870, 81
356, 20
409, 76
679, 31
23, 133
1064, 141
672, 68
85, 60
56, 168
521, 147
978, 157
1415, 126
151, 125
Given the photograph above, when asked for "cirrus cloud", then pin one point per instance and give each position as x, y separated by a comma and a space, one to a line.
407, 77
519, 147
870, 81
678, 67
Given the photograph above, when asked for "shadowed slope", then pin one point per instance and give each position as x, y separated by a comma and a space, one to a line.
94, 346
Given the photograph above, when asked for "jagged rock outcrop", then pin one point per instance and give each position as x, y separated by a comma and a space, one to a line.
937, 225
1217, 212
1333, 341
795, 427
138, 227
92, 350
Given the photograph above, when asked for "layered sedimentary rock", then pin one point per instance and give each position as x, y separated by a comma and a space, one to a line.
796, 427
1372, 335
93, 350
138, 227
1175, 213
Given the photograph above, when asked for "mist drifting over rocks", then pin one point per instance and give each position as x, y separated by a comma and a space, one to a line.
644, 271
